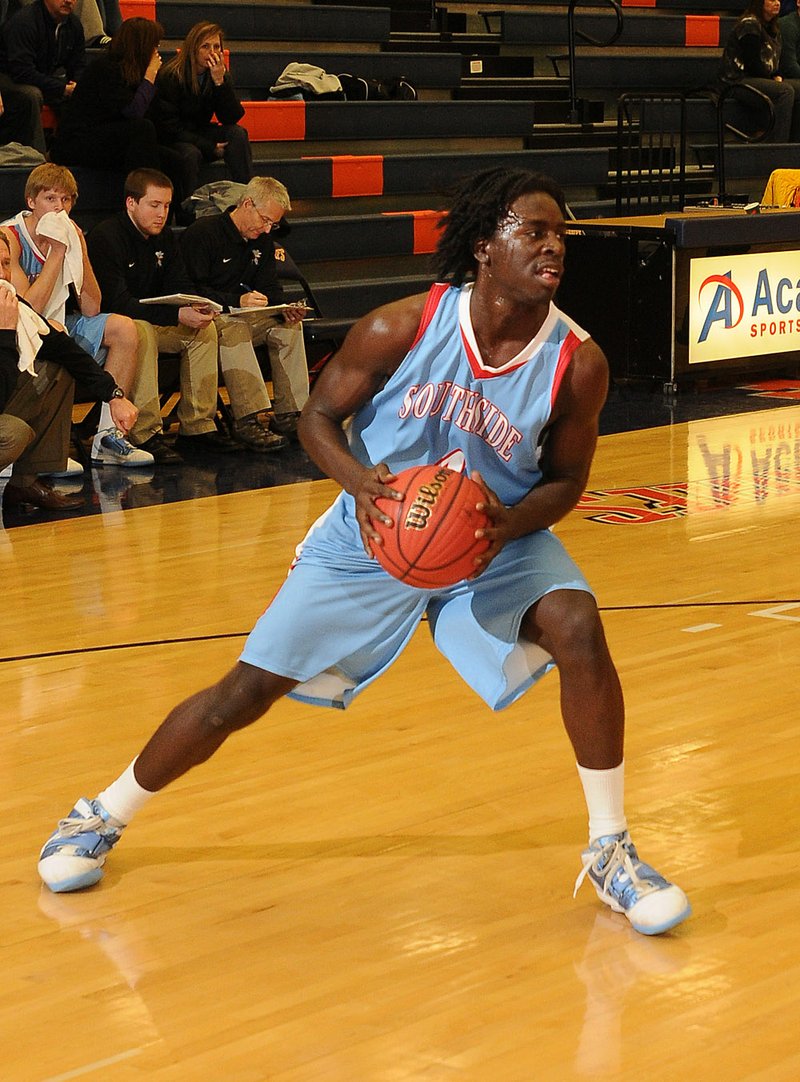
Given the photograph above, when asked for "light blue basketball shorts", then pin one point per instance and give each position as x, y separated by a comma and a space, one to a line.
88, 332
340, 620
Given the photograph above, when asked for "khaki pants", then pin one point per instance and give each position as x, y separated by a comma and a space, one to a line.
238, 335
36, 422
199, 381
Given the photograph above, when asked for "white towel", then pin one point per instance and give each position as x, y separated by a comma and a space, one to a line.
30, 328
58, 226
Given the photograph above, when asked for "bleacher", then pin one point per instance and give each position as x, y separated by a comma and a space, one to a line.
369, 178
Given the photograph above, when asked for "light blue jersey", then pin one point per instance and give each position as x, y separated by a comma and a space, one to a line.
340, 620
444, 405
87, 331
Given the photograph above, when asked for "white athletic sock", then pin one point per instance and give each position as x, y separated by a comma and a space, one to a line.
604, 791
106, 420
125, 796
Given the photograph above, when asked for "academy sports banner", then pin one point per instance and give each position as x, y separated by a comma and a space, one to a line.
743, 306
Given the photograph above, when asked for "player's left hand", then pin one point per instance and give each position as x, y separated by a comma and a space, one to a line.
499, 532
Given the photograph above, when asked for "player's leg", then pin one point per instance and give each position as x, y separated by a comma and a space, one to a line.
327, 652
567, 624
114, 343
73, 857
121, 342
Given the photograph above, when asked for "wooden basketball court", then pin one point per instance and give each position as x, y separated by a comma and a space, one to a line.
384, 894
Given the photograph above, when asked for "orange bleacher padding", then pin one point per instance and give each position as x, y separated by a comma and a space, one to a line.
49, 118
702, 30
274, 120
638, 3
357, 174
140, 9
426, 232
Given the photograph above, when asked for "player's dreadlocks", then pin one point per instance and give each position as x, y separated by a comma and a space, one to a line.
480, 204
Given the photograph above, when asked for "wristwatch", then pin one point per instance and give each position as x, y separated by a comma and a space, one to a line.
117, 393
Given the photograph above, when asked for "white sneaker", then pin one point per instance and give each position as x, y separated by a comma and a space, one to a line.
627, 885
73, 469
110, 448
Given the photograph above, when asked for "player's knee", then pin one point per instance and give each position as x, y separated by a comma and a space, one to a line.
572, 628
121, 331
241, 698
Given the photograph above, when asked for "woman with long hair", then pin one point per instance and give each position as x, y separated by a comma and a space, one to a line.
193, 87
106, 121
752, 58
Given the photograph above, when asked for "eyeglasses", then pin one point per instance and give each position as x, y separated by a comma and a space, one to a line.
268, 223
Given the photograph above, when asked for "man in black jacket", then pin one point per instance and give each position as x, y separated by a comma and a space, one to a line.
134, 257
231, 259
42, 55
36, 391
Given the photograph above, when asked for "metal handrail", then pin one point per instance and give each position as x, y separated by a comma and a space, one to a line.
571, 35
746, 137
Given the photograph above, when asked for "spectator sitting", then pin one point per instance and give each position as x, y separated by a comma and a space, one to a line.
135, 256
752, 57
42, 54
36, 391
231, 259
108, 123
193, 87
789, 26
20, 118
50, 267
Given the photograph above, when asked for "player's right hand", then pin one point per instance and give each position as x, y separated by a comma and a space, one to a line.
9, 310
376, 483
123, 413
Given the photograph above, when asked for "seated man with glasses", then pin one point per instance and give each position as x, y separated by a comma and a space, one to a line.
231, 259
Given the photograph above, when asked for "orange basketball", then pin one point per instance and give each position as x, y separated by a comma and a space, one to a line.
431, 541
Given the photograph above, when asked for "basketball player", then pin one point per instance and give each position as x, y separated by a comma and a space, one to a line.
485, 375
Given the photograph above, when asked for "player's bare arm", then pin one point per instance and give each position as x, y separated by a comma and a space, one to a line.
372, 351
39, 292
567, 456
90, 295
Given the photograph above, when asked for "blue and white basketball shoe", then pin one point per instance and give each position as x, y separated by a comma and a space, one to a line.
73, 856
625, 883
111, 448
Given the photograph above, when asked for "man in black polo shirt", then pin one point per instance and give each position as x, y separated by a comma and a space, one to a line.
134, 256
231, 259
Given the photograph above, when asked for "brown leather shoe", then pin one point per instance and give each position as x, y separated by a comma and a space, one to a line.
40, 494
285, 424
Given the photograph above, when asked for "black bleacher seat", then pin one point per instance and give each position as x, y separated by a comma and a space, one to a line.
750, 160
700, 7
406, 174
351, 299
417, 119
647, 27
645, 69
277, 22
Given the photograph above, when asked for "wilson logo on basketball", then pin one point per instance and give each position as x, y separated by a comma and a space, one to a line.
420, 510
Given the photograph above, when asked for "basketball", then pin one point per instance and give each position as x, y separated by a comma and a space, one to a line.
431, 542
